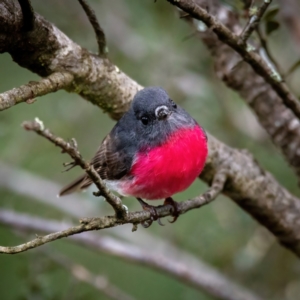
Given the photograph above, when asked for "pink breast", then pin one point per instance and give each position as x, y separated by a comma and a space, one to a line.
170, 168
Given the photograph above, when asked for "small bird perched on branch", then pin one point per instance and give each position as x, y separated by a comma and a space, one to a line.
153, 152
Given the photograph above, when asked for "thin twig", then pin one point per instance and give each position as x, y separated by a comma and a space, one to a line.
90, 224
251, 57
100, 35
188, 269
254, 21
38, 127
264, 45
28, 15
28, 92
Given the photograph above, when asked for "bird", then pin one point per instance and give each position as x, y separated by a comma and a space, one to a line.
153, 152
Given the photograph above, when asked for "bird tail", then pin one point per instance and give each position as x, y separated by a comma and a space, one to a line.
80, 183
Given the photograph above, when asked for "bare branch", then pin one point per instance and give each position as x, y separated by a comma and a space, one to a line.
187, 269
46, 50
257, 192
265, 47
89, 224
251, 57
28, 92
279, 121
254, 20
28, 14
81, 273
100, 35
72, 150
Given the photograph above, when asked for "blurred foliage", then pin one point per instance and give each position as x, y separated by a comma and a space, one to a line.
149, 43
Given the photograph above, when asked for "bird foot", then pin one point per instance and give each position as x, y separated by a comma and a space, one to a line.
153, 213
174, 204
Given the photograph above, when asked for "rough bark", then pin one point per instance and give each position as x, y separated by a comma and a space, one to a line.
46, 50
238, 73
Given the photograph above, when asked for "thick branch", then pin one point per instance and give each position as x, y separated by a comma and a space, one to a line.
257, 192
281, 123
46, 50
72, 150
28, 92
186, 269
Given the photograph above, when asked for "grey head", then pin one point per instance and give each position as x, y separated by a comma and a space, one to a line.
153, 116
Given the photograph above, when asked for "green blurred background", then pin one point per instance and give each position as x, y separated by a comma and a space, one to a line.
148, 42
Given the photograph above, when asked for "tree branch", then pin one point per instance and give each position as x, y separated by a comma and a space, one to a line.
188, 270
25, 183
281, 123
254, 21
46, 50
256, 191
252, 58
264, 45
89, 224
100, 35
28, 92
81, 273
116, 203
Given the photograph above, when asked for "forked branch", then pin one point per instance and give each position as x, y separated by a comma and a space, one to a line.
254, 20
71, 148
90, 224
251, 57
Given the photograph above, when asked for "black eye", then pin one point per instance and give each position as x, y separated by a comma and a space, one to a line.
173, 103
145, 120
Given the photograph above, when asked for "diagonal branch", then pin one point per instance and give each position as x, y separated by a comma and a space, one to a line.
264, 46
280, 122
81, 273
38, 127
252, 58
254, 21
187, 269
100, 35
28, 92
90, 224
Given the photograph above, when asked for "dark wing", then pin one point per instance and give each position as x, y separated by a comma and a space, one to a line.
111, 162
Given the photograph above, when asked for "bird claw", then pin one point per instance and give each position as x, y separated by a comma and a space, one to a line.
147, 224
153, 214
160, 222
174, 220
175, 212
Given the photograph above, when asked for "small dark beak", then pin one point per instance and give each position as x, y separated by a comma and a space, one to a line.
163, 114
